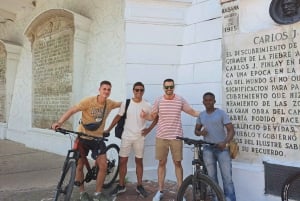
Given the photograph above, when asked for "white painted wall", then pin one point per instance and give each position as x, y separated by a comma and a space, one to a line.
154, 38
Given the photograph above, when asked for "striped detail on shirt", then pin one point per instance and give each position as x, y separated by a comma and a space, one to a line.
169, 124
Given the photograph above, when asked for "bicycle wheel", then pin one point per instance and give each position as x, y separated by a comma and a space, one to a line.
112, 154
65, 185
200, 188
290, 189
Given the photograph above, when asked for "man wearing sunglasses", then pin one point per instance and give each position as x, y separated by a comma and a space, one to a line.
168, 108
133, 136
94, 111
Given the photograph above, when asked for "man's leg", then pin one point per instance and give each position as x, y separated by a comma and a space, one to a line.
225, 165
176, 147
178, 172
161, 174
138, 148
161, 154
79, 170
83, 150
122, 170
101, 161
79, 174
210, 163
139, 174
139, 170
125, 148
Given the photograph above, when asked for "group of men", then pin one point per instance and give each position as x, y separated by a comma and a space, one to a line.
166, 114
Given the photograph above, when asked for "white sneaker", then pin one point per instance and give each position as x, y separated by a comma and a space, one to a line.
183, 199
158, 196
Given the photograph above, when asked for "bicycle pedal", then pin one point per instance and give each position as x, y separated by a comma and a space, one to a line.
95, 170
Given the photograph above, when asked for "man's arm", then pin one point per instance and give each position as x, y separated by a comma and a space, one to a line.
65, 117
199, 131
230, 132
189, 110
113, 123
119, 104
147, 130
149, 116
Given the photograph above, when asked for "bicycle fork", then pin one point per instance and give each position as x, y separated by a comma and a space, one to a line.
73, 154
199, 189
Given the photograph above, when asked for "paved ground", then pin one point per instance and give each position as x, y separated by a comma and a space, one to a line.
31, 175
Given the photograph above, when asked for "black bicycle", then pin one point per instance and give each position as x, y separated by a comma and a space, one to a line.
199, 186
290, 189
67, 180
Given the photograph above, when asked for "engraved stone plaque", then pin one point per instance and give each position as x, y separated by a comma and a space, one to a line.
230, 13
261, 74
52, 51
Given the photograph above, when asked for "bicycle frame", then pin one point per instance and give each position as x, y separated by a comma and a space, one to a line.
91, 172
199, 186
67, 179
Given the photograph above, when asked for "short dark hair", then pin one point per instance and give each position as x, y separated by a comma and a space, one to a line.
209, 94
105, 82
168, 80
138, 84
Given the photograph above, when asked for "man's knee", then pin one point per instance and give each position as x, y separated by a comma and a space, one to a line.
80, 165
101, 161
177, 164
162, 163
123, 161
139, 161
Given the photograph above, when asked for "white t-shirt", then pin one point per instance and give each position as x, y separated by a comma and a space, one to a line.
134, 124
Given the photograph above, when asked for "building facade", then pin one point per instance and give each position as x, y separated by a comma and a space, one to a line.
56, 52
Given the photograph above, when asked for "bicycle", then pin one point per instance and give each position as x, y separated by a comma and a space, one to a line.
199, 186
67, 179
290, 189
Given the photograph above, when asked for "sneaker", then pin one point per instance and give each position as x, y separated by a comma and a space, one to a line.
85, 197
183, 199
117, 190
140, 189
158, 196
101, 197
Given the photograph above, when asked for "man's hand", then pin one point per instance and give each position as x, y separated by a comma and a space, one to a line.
222, 145
55, 125
143, 114
145, 131
203, 132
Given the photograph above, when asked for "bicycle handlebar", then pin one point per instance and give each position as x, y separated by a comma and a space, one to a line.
65, 131
190, 141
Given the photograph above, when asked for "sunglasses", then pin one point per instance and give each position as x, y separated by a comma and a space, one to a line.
137, 90
169, 87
